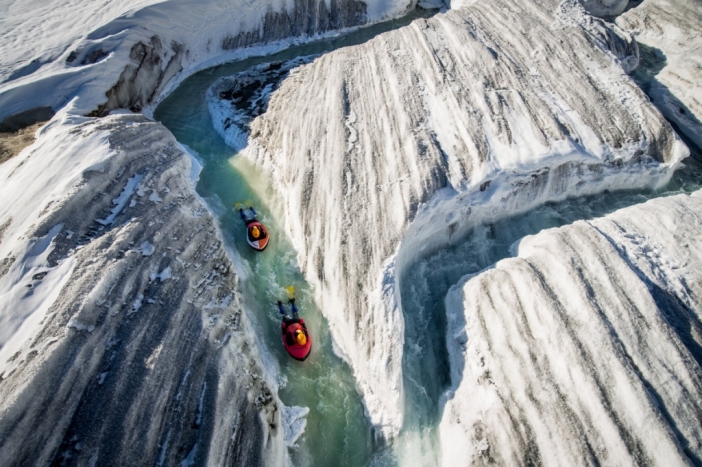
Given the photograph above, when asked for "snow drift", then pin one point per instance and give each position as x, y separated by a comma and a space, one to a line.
585, 348
391, 149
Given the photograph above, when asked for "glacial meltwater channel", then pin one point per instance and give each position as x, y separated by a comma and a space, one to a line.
337, 431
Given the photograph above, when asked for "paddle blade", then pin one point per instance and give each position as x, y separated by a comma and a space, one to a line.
243, 204
291, 291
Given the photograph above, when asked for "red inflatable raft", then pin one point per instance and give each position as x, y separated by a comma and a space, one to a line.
257, 235
296, 339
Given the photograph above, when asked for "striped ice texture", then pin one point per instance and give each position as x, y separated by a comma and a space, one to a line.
670, 36
585, 348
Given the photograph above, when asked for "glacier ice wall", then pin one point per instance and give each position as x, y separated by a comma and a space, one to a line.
123, 336
387, 150
671, 31
133, 50
585, 348
234, 101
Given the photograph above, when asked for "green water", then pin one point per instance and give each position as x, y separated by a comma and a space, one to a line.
337, 432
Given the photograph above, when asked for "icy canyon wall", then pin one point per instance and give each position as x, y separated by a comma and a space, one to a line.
385, 151
527, 337
670, 32
133, 51
122, 335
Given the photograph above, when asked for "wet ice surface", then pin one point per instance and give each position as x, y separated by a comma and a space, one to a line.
584, 347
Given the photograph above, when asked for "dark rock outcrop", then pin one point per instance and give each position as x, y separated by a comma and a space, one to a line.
309, 17
142, 80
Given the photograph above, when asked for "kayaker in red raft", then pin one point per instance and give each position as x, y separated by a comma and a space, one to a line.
296, 338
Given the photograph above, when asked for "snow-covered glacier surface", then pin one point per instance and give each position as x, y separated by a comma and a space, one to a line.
389, 150
584, 348
124, 338
135, 51
670, 37
117, 291
104, 234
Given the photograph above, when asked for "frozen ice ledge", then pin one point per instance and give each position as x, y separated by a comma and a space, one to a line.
585, 348
122, 342
670, 36
387, 151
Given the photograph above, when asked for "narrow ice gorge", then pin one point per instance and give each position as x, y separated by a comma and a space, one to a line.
117, 288
388, 150
626, 286
585, 347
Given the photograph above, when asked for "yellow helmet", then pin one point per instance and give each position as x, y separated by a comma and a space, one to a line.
255, 232
300, 337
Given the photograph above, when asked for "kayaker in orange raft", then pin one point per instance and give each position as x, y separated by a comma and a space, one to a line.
256, 233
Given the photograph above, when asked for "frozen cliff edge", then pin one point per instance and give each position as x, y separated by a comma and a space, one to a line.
129, 54
123, 336
400, 145
585, 348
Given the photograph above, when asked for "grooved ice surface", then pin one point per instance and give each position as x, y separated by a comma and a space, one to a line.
670, 34
388, 150
585, 348
100, 363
